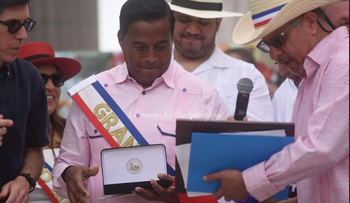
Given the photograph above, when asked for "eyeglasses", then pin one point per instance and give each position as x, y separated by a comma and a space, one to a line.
57, 79
14, 25
277, 41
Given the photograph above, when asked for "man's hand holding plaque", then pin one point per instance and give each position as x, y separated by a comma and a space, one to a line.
159, 193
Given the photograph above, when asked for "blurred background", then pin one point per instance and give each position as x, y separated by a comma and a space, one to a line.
86, 30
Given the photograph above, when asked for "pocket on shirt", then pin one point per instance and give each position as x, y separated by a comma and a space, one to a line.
228, 93
96, 140
92, 131
167, 129
167, 132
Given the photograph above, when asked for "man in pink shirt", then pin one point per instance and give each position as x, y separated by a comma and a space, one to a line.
297, 31
151, 91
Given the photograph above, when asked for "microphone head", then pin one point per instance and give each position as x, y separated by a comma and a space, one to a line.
245, 85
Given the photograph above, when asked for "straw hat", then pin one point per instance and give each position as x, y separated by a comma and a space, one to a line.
206, 9
40, 53
266, 16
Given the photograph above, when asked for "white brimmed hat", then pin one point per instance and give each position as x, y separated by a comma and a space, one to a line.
206, 9
266, 16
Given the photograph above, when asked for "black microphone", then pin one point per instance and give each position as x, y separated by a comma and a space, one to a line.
245, 86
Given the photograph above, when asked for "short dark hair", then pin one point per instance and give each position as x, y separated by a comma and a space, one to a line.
145, 10
11, 3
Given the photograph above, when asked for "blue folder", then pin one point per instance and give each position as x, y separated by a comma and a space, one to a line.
211, 153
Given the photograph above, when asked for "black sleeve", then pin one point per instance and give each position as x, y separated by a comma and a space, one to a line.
38, 121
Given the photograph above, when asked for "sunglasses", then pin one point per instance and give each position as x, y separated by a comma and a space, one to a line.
57, 79
277, 41
14, 25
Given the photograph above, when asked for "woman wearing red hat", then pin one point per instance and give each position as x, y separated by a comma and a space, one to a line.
54, 71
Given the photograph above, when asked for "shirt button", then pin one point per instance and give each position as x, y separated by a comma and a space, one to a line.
144, 92
184, 90
131, 80
95, 131
106, 85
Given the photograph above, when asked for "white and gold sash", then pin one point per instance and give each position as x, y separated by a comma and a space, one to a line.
45, 180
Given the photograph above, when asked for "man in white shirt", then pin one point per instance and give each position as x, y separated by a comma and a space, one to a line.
283, 101
197, 23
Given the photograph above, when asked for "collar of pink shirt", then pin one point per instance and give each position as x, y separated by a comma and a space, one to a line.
320, 54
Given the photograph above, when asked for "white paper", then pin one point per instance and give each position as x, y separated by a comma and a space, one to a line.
277, 133
183, 157
115, 164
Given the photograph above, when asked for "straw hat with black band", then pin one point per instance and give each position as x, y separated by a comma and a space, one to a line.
206, 9
266, 16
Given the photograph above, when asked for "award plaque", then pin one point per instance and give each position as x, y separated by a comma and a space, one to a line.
124, 169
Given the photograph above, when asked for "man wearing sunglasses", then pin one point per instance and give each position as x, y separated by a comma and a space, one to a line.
299, 31
23, 107
284, 98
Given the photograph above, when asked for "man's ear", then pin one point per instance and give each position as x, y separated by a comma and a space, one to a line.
218, 21
121, 38
310, 20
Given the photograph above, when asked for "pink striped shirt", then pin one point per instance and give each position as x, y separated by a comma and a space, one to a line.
319, 159
177, 94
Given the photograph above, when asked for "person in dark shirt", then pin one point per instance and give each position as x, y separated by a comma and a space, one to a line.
23, 107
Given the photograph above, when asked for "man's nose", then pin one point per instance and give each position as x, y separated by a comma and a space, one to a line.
283, 70
22, 34
193, 29
275, 53
151, 57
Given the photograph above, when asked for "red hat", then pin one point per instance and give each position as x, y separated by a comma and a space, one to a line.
40, 53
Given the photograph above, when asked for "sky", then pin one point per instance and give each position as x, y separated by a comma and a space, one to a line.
108, 20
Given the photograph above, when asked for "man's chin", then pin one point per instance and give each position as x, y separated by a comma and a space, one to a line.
189, 47
149, 80
146, 82
192, 53
292, 77
10, 58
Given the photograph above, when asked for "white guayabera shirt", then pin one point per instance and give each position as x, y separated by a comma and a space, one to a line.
283, 101
224, 72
